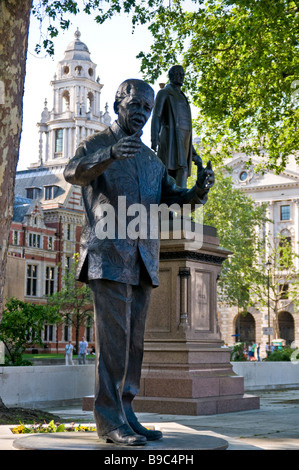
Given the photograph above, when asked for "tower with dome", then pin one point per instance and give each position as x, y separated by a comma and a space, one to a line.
48, 211
76, 111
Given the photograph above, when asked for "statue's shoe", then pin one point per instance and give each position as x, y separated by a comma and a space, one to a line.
150, 434
124, 436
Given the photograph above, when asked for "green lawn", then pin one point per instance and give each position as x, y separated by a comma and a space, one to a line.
30, 357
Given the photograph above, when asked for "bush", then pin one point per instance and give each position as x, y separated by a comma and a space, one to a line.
237, 353
280, 355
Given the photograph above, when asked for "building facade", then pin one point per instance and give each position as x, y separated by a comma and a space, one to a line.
281, 194
46, 226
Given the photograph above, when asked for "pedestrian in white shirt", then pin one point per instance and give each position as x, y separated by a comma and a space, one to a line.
69, 354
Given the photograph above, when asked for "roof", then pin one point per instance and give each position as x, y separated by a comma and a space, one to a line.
39, 178
77, 50
20, 209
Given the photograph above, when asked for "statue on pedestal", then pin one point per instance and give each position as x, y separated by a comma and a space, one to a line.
171, 128
114, 167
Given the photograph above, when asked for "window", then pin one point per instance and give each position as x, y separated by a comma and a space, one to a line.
66, 332
285, 256
89, 330
68, 231
243, 175
285, 212
48, 333
78, 69
31, 281
58, 141
50, 192
15, 237
65, 106
50, 243
32, 193
284, 291
50, 280
34, 240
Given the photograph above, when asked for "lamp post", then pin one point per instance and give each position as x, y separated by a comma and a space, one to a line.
268, 266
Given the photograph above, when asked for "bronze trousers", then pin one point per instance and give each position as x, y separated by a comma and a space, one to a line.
120, 314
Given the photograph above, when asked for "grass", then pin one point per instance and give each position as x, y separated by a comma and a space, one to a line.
30, 357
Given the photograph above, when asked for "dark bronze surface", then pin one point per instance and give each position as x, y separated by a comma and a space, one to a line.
122, 271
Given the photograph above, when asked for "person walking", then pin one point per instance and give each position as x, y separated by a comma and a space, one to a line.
69, 354
258, 352
83, 345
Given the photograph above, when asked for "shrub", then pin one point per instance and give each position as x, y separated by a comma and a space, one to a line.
280, 355
237, 353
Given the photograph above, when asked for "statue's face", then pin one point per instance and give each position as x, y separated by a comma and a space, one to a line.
177, 76
134, 110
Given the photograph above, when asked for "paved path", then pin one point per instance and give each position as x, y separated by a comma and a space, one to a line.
275, 426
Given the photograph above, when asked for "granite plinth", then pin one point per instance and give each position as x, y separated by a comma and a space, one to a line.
189, 406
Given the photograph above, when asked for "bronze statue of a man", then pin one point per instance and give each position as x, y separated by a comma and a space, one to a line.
171, 128
110, 166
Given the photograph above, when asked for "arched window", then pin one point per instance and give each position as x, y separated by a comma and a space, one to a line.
245, 328
90, 99
78, 70
286, 327
65, 101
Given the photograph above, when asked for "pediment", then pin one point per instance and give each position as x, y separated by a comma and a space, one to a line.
244, 176
35, 215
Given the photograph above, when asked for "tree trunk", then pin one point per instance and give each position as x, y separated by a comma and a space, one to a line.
14, 25
276, 324
2, 406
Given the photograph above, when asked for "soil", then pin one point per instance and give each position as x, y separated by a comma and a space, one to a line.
25, 415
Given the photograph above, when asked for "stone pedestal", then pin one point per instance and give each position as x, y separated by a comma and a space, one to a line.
186, 369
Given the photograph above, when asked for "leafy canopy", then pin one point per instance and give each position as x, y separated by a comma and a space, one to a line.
21, 326
241, 61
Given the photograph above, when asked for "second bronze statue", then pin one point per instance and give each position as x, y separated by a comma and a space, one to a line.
171, 128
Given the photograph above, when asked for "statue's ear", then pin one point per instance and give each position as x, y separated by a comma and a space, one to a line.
115, 107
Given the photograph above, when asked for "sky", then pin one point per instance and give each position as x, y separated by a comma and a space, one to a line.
112, 47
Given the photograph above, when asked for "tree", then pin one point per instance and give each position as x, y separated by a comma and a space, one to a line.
21, 326
74, 301
277, 279
14, 23
242, 64
238, 221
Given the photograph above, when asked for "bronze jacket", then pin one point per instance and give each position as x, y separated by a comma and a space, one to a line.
140, 180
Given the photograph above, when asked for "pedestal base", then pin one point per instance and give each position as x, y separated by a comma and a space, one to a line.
196, 406
175, 438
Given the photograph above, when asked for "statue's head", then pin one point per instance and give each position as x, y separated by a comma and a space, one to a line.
134, 101
176, 75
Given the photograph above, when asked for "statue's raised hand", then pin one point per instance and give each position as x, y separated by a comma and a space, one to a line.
205, 176
127, 147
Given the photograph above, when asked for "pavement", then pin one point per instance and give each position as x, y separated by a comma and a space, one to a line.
275, 426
